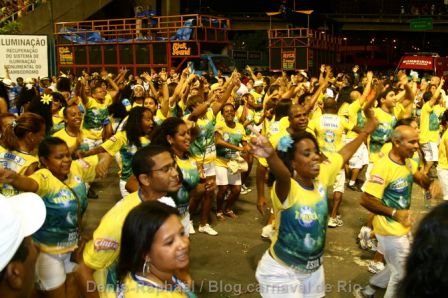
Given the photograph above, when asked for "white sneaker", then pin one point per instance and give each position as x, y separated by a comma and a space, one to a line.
267, 231
245, 189
191, 229
375, 267
334, 222
207, 229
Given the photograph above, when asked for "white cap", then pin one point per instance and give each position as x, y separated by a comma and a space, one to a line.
303, 73
20, 216
7, 82
258, 83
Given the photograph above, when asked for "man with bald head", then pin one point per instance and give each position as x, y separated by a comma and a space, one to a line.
387, 195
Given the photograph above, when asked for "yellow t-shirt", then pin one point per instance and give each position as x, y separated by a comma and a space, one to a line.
355, 117
443, 159
388, 146
430, 123
17, 162
203, 149
391, 183
329, 130
301, 220
383, 132
58, 234
119, 143
94, 118
102, 251
343, 109
137, 287
234, 136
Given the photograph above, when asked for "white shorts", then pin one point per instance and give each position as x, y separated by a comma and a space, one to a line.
443, 180
51, 270
431, 151
360, 158
224, 177
339, 183
92, 143
210, 169
279, 281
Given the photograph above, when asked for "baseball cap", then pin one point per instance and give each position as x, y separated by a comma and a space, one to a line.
20, 216
7, 82
258, 83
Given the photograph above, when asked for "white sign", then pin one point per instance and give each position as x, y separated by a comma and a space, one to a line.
25, 56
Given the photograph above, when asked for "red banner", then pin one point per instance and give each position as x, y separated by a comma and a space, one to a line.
416, 62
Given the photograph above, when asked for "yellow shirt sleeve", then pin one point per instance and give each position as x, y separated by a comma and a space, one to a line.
87, 167
114, 143
43, 180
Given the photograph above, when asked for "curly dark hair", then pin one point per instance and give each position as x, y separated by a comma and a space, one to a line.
427, 264
133, 126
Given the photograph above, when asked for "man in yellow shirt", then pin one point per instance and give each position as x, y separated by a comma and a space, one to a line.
329, 129
387, 195
156, 172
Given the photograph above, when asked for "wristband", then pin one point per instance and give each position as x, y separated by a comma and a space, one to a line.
393, 212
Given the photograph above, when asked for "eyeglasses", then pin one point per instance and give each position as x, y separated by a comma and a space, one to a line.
168, 168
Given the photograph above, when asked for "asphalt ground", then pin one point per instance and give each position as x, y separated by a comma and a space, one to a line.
224, 265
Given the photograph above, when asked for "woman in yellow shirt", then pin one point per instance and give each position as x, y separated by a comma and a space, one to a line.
154, 246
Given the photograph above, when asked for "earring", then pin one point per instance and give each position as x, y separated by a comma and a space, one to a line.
146, 267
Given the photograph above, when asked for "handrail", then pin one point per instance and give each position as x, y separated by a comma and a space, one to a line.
15, 15
164, 27
178, 20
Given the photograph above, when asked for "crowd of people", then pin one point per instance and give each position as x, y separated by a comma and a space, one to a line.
182, 140
12, 7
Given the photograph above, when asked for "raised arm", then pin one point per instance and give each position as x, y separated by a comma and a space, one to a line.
261, 147
348, 150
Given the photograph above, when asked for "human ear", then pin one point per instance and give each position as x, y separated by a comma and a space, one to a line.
14, 275
144, 179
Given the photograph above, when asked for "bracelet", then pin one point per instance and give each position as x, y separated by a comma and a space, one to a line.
393, 212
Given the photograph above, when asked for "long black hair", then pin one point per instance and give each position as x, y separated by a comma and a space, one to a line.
133, 125
427, 264
169, 127
139, 230
4, 93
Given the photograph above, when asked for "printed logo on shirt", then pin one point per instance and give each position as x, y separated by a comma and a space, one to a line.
105, 244
376, 179
113, 139
306, 216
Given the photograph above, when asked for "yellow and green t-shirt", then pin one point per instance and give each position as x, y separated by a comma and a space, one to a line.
71, 141
430, 123
301, 220
383, 132
95, 117
119, 143
356, 118
203, 149
190, 179
17, 162
234, 136
59, 233
329, 130
443, 158
391, 183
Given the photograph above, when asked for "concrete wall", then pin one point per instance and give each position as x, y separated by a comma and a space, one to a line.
39, 21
